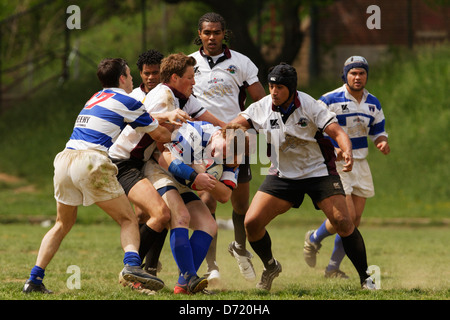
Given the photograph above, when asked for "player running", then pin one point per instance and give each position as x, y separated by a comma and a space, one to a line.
359, 113
84, 174
303, 162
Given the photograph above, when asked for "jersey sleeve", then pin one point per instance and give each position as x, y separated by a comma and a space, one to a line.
256, 114
230, 176
377, 127
250, 75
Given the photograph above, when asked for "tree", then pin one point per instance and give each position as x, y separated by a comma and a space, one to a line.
241, 14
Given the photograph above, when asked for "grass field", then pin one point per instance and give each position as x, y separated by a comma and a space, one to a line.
413, 262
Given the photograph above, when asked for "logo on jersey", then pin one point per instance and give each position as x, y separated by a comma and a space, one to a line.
303, 122
274, 124
344, 108
371, 108
232, 69
197, 71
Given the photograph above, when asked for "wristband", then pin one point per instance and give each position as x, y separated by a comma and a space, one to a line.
179, 169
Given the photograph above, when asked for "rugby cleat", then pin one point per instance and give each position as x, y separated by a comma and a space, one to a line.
335, 274
194, 285
213, 277
310, 249
30, 286
368, 284
269, 275
244, 262
136, 274
137, 286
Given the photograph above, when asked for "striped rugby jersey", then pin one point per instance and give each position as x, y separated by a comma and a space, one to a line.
189, 144
359, 120
104, 117
162, 98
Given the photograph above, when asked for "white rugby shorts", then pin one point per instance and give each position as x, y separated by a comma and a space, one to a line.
84, 177
161, 178
358, 181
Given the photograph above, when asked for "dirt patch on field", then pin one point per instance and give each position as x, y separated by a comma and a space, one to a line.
17, 184
9, 178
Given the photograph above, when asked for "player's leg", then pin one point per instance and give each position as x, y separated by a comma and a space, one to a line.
338, 254
65, 219
212, 273
240, 202
335, 208
120, 210
180, 245
147, 199
263, 209
205, 228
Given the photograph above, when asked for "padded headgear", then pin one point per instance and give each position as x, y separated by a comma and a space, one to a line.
284, 74
354, 62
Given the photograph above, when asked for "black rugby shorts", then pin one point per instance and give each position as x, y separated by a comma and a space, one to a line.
318, 188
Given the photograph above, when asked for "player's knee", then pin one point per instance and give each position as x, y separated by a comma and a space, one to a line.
180, 218
209, 201
252, 226
165, 215
343, 225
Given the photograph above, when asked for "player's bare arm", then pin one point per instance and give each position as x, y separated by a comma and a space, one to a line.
242, 121
335, 131
208, 117
161, 134
256, 91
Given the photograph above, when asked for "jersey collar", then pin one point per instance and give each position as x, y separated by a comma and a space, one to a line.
350, 97
226, 55
292, 107
297, 104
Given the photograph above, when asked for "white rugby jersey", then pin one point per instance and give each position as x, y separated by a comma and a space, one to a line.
220, 85
298, 148
103, 118
138, 93
359, 120
162, 98
189, 144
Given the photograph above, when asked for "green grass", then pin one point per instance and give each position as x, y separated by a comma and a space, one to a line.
96, 250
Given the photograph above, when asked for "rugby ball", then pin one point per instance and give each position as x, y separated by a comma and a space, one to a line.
213, 168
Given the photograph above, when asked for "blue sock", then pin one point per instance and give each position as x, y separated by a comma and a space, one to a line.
37, 275
182, 253
338, 254
200, 242
320, 234
132, 259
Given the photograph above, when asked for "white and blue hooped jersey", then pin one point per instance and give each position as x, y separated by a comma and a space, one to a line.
359, 120
104, 117
189, 144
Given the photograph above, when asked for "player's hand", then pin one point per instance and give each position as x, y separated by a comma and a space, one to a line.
383, 146
339, 156
348, 158
204, 182
178, 117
